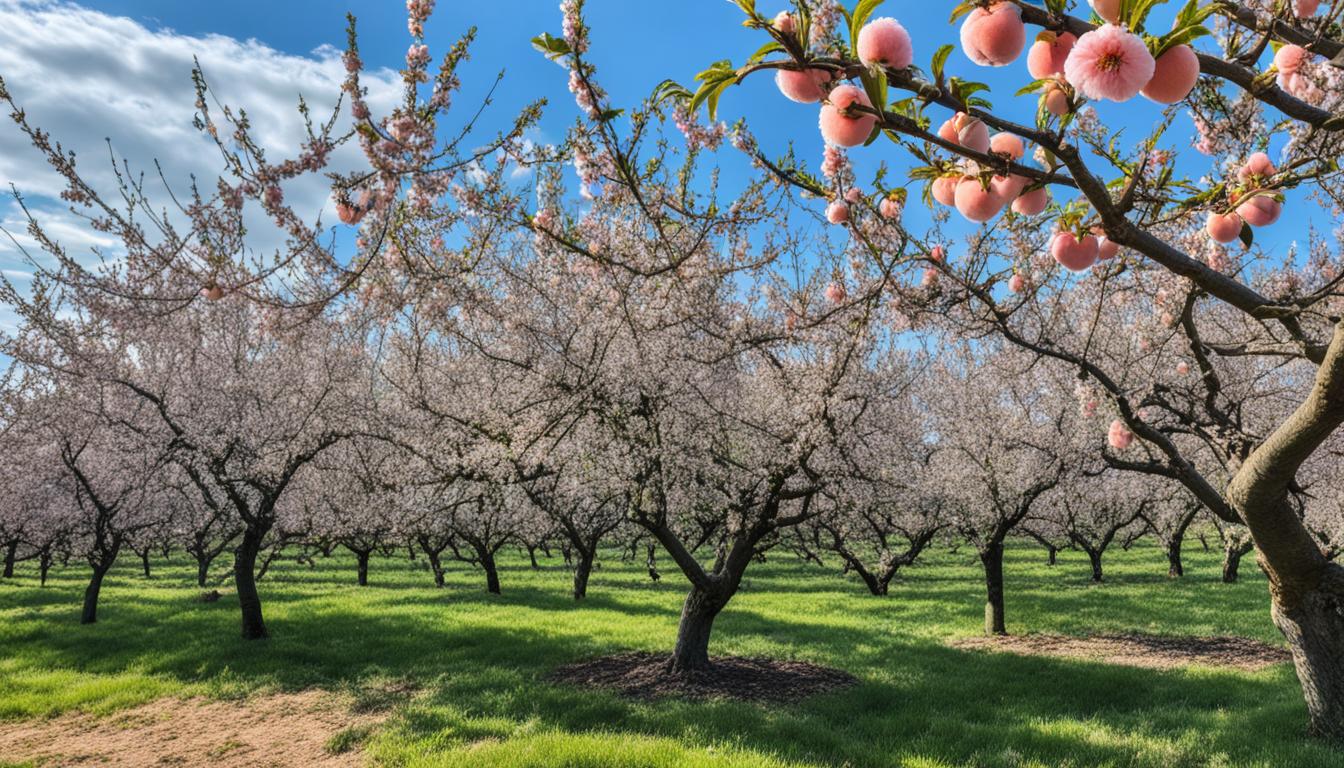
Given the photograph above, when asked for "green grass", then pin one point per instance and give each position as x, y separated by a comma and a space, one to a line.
478, 663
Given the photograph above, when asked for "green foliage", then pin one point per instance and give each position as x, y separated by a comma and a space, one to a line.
479, 663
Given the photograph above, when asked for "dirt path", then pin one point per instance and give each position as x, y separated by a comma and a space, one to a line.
275, 731
1138, 650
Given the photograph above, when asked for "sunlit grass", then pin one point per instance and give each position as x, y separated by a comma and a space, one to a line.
477, 663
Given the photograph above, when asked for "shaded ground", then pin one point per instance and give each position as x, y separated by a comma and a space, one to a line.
644, 676
1138, 650
311, 728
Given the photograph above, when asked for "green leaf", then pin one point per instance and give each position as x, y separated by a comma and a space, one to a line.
1247, 235
939, 60
553, 47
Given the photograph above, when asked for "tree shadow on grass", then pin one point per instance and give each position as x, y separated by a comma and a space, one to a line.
481, 663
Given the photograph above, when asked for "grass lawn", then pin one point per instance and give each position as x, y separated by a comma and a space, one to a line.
480, 663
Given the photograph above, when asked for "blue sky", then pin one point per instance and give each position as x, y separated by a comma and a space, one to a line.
119, 69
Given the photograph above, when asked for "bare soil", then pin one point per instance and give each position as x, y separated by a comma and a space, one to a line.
1138, 650
644, 676
274, 731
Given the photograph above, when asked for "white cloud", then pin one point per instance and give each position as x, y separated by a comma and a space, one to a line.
87, 77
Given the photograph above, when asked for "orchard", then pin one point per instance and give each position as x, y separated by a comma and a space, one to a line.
879, 389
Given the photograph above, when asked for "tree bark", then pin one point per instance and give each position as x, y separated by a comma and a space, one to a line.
202, 570
697, 621
1175, 568
1095, 557
1232, 555
491, 572
991, 557
435, 565
532, 555
1054, 555
90, 612
582, 571
144, 562
43, 566
244, 579
1314, 628
363, 577
11, 555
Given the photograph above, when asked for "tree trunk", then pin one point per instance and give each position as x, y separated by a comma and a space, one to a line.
992, 559
532, 555
1314, 628
435, 565
244, 579
1054, 555
202, 569
11, 555
1231, 563
144, 562
581, 573
90, 613
43, 566
1095, 558
363, 577
875, 585
697, 620
491, 572
1175, 568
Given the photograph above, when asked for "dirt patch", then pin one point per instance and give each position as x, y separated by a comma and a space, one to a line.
311, 728
644, 676
1137, 650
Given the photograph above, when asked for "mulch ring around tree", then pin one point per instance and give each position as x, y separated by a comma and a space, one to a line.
1139, 650
645, 676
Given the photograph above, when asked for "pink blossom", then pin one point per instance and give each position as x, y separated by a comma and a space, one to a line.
837, 212
890, 208
836, 293
1118, 436
1109, 63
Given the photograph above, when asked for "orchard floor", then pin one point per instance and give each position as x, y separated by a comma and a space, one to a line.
458, 677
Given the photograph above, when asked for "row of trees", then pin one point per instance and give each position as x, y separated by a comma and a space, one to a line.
719, 369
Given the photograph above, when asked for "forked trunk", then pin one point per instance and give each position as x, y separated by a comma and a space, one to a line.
1095, 558
244, 579
1314, 628
991, 557
697, 621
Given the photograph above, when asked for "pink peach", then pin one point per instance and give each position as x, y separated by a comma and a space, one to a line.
1032, 202
1007, 144
944, 190
802, 86
1174, 75
1260, 211
837, 212
1073, 254
1106, 9
1223, 228
884, 41
1016, 283
843, 129
976, 202
994, 36
1047, 55
1056, 101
